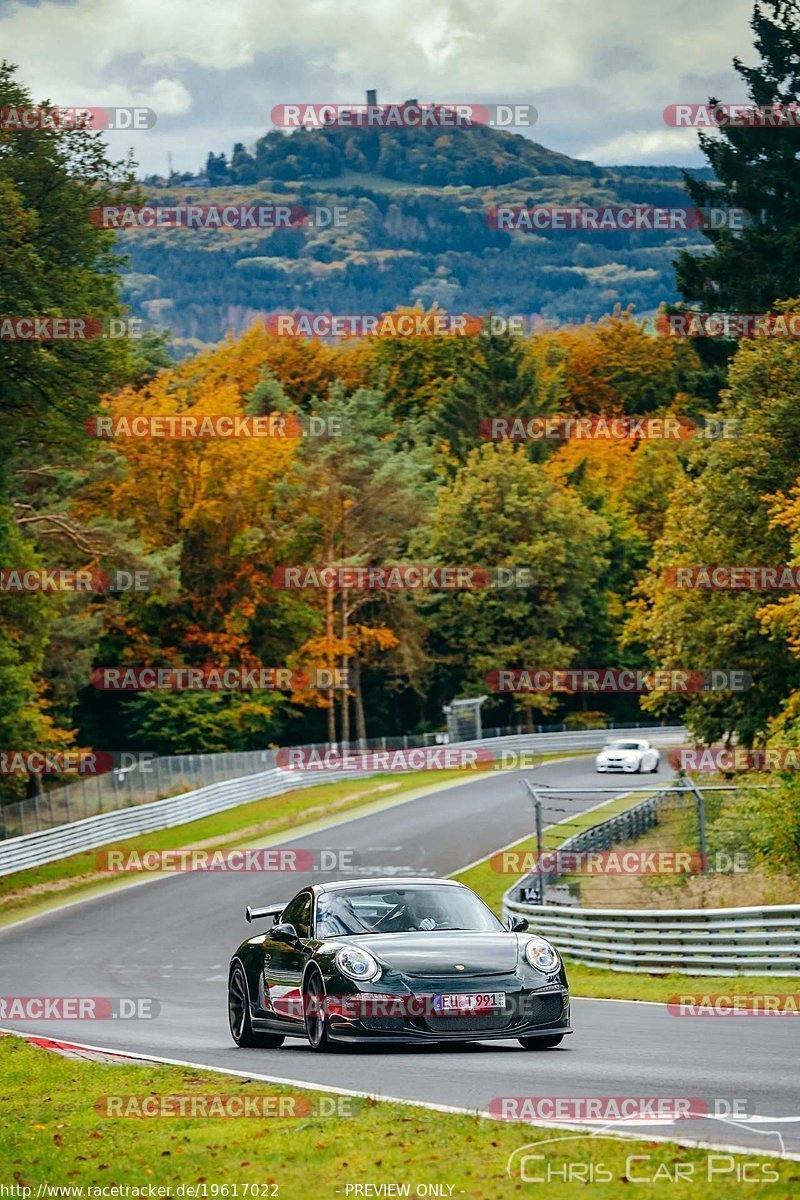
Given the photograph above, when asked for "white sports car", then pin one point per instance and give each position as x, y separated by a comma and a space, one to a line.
630, 755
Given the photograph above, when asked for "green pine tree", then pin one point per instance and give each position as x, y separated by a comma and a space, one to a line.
758, 170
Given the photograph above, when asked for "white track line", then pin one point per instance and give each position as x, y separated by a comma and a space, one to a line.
359, 812
428, 1105
372, 808
554, 825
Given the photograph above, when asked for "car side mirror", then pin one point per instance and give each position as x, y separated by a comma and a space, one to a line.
284, 932
517, 924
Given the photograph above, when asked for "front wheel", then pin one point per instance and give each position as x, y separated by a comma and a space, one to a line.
541, 1043
314, 1015
239, 1015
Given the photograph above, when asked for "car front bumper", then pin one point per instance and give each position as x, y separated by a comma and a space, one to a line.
528, 1013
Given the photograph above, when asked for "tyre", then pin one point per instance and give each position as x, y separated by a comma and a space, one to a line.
541, 1043
658, 764
314, 1015
239, 1015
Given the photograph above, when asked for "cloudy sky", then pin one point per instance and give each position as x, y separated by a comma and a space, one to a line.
599, 73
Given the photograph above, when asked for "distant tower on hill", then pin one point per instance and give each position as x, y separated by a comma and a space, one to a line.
372, 96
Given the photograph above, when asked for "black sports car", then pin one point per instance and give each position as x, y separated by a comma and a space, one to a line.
411, 960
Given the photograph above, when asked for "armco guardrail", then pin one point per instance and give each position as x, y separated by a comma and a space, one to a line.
134, 779
48, 845
35, 849
140, 778
690, 941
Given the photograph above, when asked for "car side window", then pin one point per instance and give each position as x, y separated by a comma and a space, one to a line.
298, 913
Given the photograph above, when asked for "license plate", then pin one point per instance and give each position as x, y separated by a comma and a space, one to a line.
469, 1002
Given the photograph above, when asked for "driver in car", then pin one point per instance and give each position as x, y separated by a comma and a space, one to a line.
427, 914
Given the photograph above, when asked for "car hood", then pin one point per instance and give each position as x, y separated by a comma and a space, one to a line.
620, 753
435, 953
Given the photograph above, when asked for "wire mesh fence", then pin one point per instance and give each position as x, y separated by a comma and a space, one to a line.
142, 778
146, 779
684, 845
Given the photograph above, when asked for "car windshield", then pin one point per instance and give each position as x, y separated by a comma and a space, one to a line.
401, 910
624, 746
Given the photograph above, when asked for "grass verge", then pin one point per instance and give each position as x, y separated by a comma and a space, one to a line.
67, 878
736, 877
37, 888
61, 1139
596, 982
491, 883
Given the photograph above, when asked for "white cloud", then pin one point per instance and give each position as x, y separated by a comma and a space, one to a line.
213, 71
654, 146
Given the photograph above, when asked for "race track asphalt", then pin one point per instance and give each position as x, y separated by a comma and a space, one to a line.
171, 938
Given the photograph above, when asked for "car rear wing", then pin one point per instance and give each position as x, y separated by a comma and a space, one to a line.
269, 910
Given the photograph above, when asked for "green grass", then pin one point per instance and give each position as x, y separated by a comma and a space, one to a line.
596, 982
61, 1139
69, 877
491, 883
25, 892
620, 985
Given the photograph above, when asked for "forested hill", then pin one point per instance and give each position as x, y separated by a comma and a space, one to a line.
416, 232
474, 155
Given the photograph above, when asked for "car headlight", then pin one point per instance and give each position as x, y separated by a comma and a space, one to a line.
357, 964
541, 955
